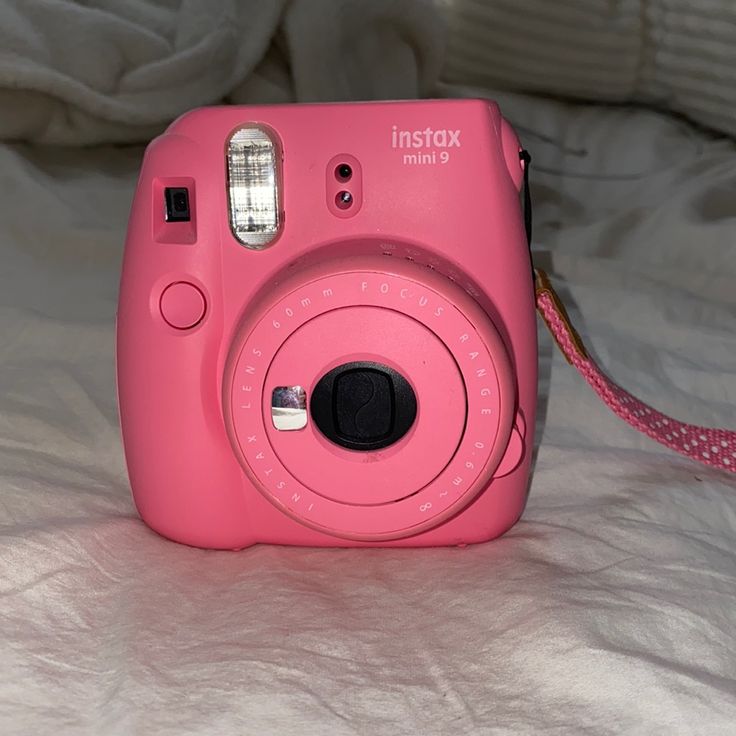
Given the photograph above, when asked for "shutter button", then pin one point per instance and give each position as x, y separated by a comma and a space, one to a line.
182, 305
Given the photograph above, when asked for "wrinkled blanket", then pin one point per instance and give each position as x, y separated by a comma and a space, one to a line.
83, 73
679, 55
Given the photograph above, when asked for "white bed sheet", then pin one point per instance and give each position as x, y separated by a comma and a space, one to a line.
608, 609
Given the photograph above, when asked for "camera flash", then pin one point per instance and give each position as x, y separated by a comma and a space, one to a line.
253, 160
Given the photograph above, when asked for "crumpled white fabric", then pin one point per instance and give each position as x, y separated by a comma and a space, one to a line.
85, 73
608, 609
679, 55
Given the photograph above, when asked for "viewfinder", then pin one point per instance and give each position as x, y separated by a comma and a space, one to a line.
177, 204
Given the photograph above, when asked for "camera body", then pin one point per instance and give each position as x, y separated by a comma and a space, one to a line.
326, 329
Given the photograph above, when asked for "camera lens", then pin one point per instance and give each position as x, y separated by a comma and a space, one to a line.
343, 200
343, 172
363, 406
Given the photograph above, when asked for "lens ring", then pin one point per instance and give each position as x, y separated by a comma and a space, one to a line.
451, 311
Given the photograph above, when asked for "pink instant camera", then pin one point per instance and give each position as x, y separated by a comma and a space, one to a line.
326, 327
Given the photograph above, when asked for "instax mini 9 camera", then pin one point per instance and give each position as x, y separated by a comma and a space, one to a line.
326, 327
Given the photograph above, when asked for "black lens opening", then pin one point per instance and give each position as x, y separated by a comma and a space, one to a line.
343, 172
344, 200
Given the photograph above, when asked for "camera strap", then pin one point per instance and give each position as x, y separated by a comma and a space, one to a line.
716, 447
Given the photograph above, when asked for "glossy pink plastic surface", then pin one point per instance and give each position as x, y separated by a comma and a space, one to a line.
428, 274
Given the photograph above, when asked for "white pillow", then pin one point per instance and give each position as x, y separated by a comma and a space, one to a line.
676, 54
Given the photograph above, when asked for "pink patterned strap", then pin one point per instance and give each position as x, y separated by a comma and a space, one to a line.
716, 447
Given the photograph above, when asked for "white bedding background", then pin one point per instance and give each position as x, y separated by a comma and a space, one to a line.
610, 608
104, 70
677, 54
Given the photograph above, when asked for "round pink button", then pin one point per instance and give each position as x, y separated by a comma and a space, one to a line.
182, 305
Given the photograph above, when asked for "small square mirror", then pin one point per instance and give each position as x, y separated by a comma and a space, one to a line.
289, 408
